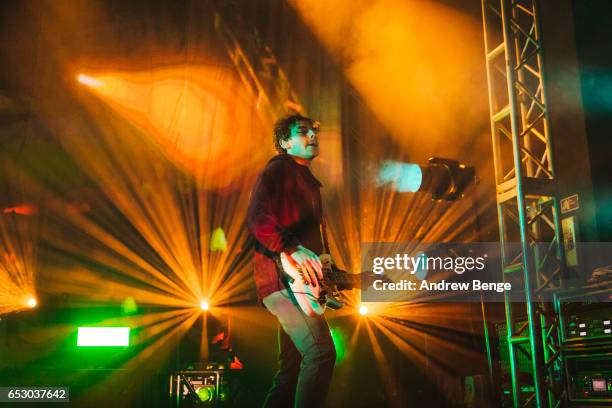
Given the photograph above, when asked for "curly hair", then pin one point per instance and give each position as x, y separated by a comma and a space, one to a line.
282, 129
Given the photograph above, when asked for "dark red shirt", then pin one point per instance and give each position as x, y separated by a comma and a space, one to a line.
284, 211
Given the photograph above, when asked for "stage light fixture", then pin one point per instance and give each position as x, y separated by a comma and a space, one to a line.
206, 393
363, 310
204, 305
444, 179
103, 337
31, 302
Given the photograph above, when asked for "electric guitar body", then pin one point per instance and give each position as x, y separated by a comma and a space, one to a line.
314, 299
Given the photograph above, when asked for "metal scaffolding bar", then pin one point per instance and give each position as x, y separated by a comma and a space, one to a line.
527, 207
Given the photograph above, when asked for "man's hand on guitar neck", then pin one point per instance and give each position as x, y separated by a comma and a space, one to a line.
309, 264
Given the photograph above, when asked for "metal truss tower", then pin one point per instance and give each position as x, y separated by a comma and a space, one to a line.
528, 210
255, 63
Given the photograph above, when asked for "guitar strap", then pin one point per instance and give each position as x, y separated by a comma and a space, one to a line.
260, 248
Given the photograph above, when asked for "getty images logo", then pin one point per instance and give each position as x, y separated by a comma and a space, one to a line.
420, 264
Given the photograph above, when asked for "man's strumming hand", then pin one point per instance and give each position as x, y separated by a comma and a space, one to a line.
310, 265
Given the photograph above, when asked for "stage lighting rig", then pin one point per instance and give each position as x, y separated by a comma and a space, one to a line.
444, 179
205, 384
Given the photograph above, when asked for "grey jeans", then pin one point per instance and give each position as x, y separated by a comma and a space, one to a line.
306, 359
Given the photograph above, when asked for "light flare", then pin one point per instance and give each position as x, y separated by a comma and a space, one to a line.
363, 310
414, 63
19, 233
195, 114
89, 81
31, 302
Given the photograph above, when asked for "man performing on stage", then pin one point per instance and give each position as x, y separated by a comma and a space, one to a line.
285, 215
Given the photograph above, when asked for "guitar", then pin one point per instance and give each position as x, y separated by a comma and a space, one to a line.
312, 299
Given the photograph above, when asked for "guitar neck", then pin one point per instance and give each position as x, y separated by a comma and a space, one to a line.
341, 278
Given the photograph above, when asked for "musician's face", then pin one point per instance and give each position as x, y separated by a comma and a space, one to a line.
304, 141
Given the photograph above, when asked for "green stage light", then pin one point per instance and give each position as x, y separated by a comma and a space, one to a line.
206, 393
129, 306
103, 337
218, 242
